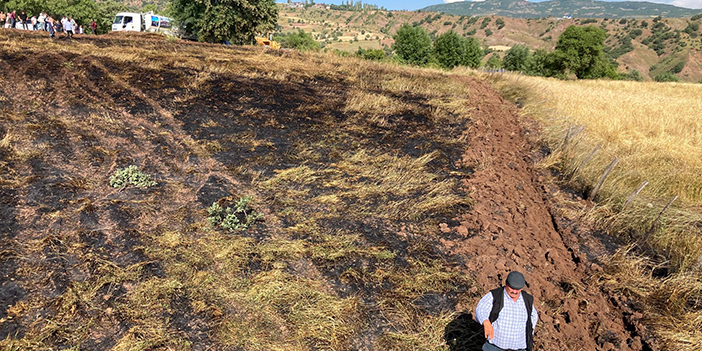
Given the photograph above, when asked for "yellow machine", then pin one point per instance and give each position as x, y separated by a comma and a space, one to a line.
261, 41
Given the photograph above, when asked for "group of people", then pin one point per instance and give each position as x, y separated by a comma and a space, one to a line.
44, 22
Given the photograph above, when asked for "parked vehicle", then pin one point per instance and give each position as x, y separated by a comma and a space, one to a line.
142, 22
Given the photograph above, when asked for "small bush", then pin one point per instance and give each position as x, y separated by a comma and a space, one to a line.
634, 75
131, 175
237, 219
678, 67
666, 77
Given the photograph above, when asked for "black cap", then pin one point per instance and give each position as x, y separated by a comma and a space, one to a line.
515, 280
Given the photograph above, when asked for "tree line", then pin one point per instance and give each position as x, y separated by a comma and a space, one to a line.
580, 51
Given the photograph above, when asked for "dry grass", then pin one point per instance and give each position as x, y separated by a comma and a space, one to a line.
655, 131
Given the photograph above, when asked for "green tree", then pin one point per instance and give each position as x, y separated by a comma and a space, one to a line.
581, 51
451, 50
545, 64
494, 62
517, 58
215, 21
298, 40
412, 45
82, 11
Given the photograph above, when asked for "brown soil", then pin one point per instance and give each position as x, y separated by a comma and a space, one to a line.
513, 226
510, 226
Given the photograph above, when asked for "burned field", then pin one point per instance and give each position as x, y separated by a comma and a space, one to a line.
378, 198
351, 185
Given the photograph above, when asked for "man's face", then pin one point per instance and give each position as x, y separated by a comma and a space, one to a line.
513, 293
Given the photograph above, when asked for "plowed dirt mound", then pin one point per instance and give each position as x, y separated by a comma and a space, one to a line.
512, 227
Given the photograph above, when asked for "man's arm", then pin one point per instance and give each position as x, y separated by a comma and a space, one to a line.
534, 317
482, 315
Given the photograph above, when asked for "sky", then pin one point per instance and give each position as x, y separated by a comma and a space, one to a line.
418, 4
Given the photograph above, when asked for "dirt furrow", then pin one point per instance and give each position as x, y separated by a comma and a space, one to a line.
511, 227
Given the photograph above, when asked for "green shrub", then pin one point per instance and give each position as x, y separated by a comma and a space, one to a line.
237, 219
488, 32
299, 40
500, 23
635, 33
666, 77
494, 62
678, 67
371, 54
131, 175
634, 75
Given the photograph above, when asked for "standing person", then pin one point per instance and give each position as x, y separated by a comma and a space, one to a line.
40, 21
93, 26
33, 20
13, 19
74, 25
3, 17
58, 27
50, 27
508, 316
68, 28
23, 18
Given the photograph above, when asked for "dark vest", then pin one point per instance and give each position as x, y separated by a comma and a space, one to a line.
498, 301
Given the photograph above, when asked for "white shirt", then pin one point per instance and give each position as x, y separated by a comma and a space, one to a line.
510, 326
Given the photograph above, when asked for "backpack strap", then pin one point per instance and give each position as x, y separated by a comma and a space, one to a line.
498, 301
529, 302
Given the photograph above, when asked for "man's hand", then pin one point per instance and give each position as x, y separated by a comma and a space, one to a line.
489, 332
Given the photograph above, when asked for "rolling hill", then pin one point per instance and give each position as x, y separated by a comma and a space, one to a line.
559, 8
649, 46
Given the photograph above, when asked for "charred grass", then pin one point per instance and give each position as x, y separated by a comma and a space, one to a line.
353, 165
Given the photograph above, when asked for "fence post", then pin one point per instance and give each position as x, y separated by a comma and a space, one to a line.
635, 194
653, 225
602, 179
586, 160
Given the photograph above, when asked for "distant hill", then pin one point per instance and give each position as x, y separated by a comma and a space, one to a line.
559, 8
650, 46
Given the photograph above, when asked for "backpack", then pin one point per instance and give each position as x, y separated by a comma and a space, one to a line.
497, 304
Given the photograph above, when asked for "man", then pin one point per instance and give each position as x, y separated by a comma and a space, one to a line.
93, 26
68, 28
508, 316
23, 18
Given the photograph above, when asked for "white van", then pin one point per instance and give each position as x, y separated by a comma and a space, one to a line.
142, 22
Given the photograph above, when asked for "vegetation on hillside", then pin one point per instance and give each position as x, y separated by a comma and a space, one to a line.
349, 30
577, 8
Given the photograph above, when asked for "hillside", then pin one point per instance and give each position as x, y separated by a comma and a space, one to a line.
390, 199
560, 8
650, 46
